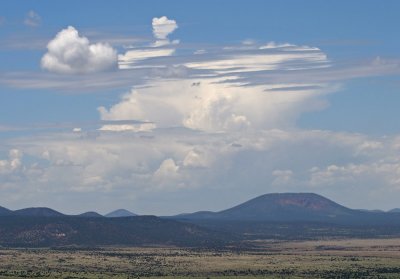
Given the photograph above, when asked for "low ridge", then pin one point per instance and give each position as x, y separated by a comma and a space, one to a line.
38, 212
120, 213
91, 214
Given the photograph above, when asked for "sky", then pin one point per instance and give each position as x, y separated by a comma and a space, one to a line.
165, 107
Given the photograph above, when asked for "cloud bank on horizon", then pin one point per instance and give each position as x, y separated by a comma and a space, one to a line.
194, 122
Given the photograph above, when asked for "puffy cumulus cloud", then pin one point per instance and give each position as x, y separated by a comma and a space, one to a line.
167, 175
13, 163
349, 174
213, 106
197, 159
70, 53
163, 26
32, 19
128, 108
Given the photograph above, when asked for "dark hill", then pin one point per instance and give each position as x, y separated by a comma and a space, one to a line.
394, 210
120, 213
5, 212
280, 207
38, 212
23, 231
91, 214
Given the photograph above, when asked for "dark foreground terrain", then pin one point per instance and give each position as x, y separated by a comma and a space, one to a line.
27, 231
349, 258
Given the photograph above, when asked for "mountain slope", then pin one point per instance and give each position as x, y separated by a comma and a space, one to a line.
5, 212
120, 213
37, 212
394, 210
281, 207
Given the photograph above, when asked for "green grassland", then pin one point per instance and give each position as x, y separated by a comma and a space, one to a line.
352, 258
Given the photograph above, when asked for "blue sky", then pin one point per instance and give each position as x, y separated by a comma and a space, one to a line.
167, 106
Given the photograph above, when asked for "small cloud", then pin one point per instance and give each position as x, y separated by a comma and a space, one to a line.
282, 176
161, 47
13, 163
32, 19
127, 60
168, 168
145, 127
248, 42
70, 53
77, 130
276, 45
163, 26
200, 51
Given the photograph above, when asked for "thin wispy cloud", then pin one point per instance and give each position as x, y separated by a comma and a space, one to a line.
32, 19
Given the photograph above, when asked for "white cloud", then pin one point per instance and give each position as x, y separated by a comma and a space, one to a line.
131, 58
167, 170
282, 176
387, 171
161, 47
208, 123
265, 61
13, 163
219, 101
163, 26
32, 19
70, 53
196, 159
128, 127
213, 106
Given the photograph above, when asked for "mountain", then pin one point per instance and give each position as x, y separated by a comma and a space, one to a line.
120, 213
5, 212
37, 212
372, 210
280, 207
25, 231
270, 216
394, 210
295, 216
91, 214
